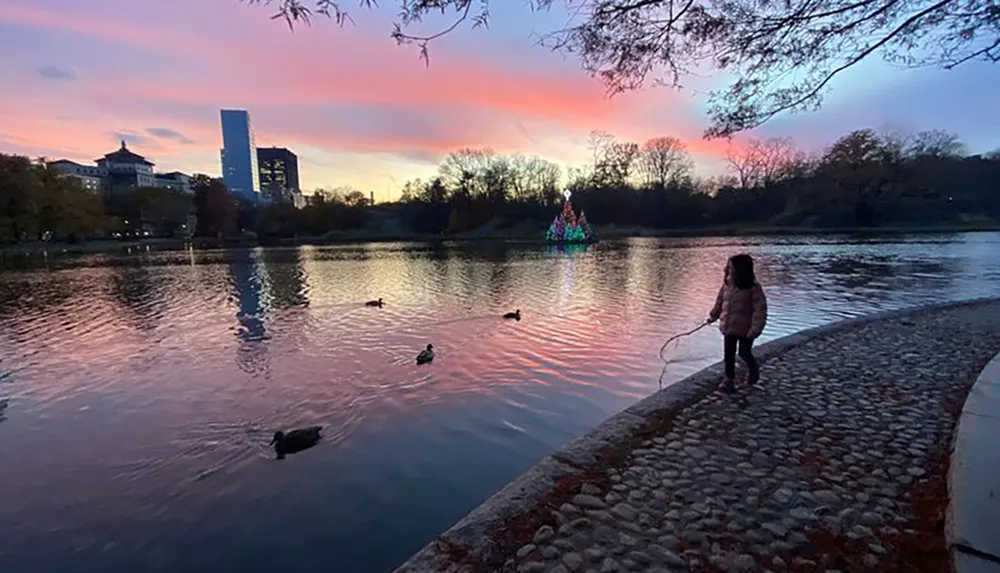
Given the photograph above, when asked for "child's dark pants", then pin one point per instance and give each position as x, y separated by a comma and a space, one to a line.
746, 353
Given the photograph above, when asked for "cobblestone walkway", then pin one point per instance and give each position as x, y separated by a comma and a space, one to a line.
817, 468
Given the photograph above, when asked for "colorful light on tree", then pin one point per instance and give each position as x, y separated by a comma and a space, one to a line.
565, 228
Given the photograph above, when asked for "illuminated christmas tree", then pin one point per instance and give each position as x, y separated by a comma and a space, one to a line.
588, 233
568, 215
565, 228
556, 229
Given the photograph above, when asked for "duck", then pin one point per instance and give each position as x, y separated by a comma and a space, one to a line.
295, 440
377, 303
516, 315
426, 355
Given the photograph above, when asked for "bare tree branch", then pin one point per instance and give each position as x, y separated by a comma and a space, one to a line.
664, 161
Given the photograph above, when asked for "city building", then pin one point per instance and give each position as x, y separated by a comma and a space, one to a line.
121, 169
90, 177
239, 155
279, 175
279, 168
174, 180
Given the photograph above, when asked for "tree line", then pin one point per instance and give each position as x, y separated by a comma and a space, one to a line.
41, 203
863, 179
38, 203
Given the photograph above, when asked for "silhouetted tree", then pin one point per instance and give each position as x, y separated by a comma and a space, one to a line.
215, 208
280, 219
859, 165
465, 170
533, 179
936, 143
765, 162
343, 208
665, 161
40, 202
158, 210
617, 164
355, 199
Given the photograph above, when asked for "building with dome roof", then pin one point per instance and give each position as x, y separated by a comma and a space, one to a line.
122, 169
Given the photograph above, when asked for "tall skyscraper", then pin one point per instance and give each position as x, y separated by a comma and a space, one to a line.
279, 170
239, 155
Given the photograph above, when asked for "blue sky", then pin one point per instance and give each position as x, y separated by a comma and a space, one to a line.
361, 111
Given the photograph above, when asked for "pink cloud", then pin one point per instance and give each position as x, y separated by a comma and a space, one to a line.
254, 72
255, 63
91, 25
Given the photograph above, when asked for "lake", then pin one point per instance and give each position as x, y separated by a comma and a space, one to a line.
138, 393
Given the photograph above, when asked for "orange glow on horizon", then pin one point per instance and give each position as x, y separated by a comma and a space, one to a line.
459, 101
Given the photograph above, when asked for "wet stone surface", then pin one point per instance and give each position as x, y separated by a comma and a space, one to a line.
833, 439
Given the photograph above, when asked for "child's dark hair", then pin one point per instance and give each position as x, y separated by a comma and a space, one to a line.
742, 273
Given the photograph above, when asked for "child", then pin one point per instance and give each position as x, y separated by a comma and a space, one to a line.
742, 306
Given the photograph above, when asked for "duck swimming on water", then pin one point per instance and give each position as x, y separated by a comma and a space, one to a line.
377, 303
516, 315
295, 440
426, 355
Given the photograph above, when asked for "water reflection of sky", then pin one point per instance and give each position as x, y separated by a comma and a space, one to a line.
137, 393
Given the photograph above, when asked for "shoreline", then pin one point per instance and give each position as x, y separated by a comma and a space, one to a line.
349, 238
488, 537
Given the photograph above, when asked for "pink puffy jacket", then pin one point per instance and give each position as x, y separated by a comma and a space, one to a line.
743, 313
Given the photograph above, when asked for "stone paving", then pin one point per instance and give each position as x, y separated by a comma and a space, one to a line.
834, 440
973, 523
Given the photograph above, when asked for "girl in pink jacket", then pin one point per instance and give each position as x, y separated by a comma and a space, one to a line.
742, 308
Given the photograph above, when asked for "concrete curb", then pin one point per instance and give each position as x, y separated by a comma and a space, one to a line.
972, 527
472, 544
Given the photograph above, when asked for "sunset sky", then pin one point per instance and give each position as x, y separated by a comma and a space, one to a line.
78, 76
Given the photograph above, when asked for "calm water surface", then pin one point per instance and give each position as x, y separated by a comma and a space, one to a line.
138, 394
